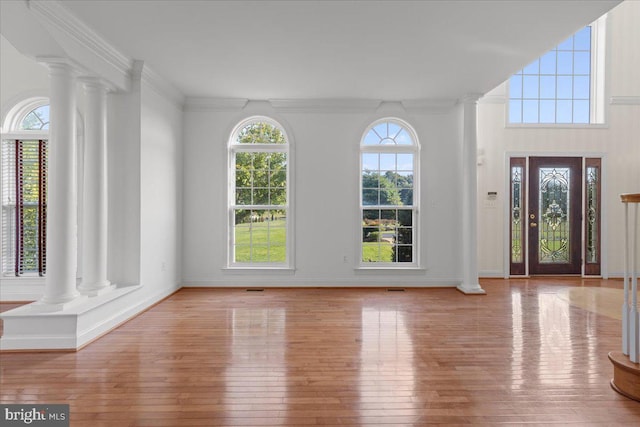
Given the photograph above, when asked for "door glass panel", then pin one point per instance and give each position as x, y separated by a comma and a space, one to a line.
592, 214
553, 215
516, 214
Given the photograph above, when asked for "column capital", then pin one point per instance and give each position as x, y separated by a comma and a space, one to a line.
59, 64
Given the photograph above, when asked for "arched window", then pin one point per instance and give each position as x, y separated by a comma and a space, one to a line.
259, 222
24, 188
389, 194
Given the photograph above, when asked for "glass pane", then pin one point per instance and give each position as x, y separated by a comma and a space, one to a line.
581, 63
405, 217
260, 178
278, 196
565, 87
515, 86
553, 215
582, 39
592, 214
260, 133
403, 138
243, 196
581, 87
533, 68
548, 63
388, 162
405, 162
278, 179
548, 111
260, 196
530, 111
565, 63
531, 86
381, 130
404, 236
516, 214
394, 130
370, 197
371, 138
566, 44
580, 111
405, 253
564, 111
370, 161
36, 119
547, 87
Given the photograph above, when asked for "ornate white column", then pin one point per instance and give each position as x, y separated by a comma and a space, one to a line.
470, 283
62, 245
94, 227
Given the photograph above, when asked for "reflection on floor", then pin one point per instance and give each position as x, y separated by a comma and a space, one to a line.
604, 301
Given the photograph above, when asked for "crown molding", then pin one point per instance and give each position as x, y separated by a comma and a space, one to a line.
195, 104
429, 105
625, 100
327, 105
55, 14
63, 20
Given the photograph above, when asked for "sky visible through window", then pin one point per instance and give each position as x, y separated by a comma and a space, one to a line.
554, 88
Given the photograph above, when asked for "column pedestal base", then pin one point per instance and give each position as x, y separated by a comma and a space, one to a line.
471, 291
626, 375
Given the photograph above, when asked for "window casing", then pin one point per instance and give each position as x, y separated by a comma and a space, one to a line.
24, 191
259, 195
565, 86
389, 196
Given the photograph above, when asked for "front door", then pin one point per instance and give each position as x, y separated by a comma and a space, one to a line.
555, 215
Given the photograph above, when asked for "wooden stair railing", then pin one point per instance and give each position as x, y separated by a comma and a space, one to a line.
626, 369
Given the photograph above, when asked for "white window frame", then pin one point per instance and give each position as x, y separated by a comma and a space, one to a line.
414, 149
233, 149
11, 132
598, 111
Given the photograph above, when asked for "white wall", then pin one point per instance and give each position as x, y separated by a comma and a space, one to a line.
160, 187
618, 143
325, 158
20, 78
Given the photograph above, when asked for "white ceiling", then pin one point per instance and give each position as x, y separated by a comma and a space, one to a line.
391, 50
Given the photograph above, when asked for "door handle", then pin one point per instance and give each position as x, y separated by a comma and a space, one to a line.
533, 224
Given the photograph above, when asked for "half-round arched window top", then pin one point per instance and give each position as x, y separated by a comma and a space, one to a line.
30, 115
388, 132
259, 130
36, 119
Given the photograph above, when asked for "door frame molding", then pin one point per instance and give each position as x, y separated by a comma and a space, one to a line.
506, 223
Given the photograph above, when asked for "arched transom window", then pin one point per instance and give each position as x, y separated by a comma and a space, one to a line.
389, 194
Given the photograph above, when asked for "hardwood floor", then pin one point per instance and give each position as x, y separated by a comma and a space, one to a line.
526, 353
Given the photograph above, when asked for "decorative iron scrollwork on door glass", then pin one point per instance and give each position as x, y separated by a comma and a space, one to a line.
554, 224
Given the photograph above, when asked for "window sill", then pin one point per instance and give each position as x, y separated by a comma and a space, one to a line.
557, 126
390, 270
259, 269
